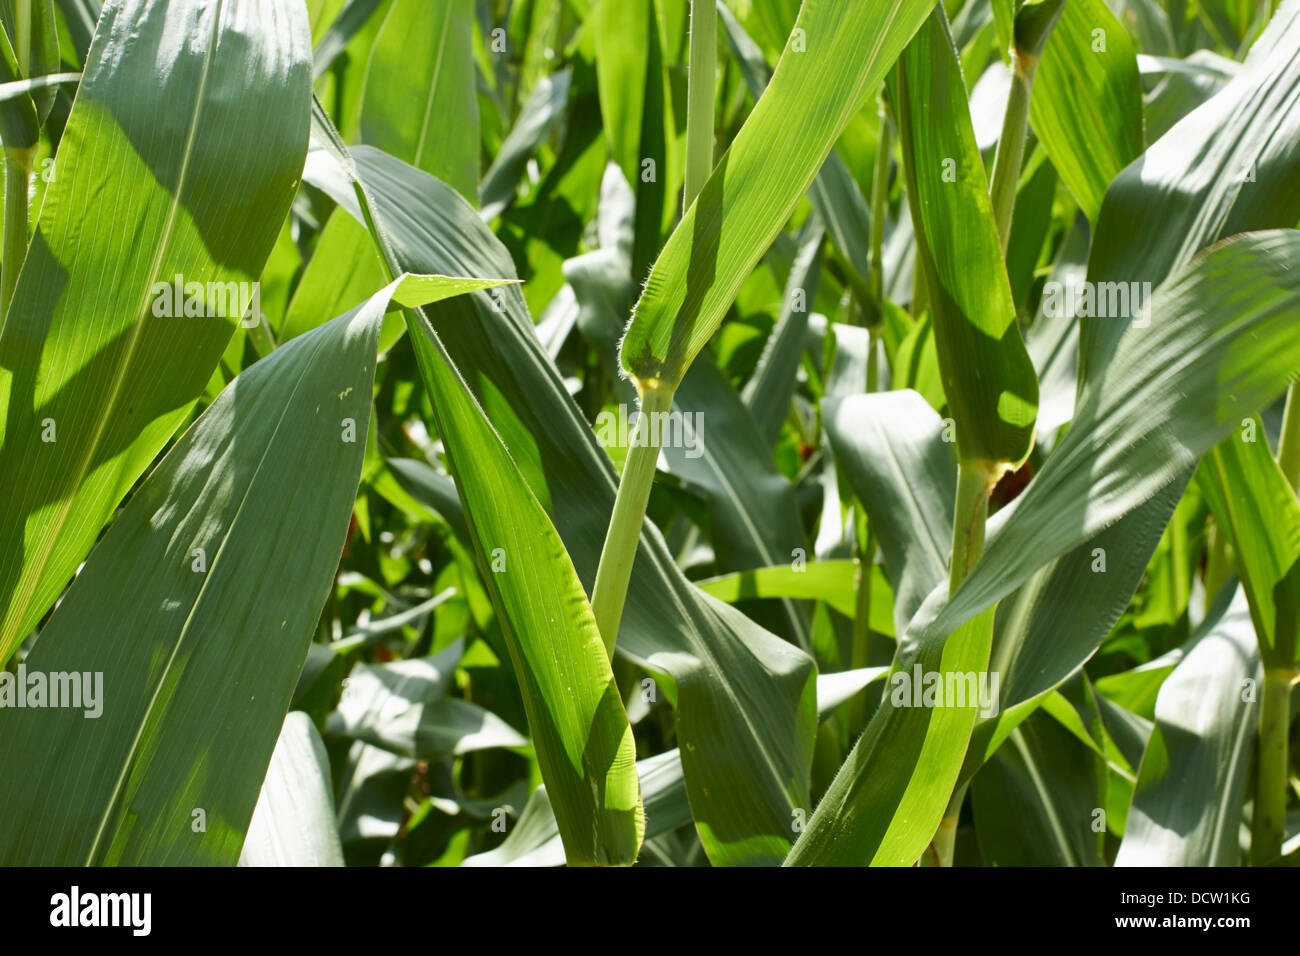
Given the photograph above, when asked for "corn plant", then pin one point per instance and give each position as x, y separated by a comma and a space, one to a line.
682, 432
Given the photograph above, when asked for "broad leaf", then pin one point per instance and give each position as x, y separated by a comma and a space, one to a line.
421, 101
1087, 101
1187, 806
195, 612
93, 380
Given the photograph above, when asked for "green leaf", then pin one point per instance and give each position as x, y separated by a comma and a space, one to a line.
293, 822
988, 378
10, 91
1034, 801
372, 789
544, 109
771, 388
1187, 806
634, 109
1217, 342
835, 194
1087, 101
1004, 19
1227, 167
33, 54
891, 446
535, 839
835, 582
1258, 511
1057, 620
342, 268
580, 730
886, 801
83, 358
753, 514
825, 75
195, 611
1223, 340
420, 101
583, 739
404, 707
715, 447
346, 25
745, 698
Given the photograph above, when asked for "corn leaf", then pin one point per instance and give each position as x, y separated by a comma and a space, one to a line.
580, 730
891, 446
988, 378
92, 382
293, 822
1195, 772
835, 58
1087, 101
634, 107
1258, 512
1224, 328
21, 116
195, 612
745, 699
1229, 166
420, 101
1034, 801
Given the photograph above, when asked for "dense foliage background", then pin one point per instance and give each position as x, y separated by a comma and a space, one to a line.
955, 264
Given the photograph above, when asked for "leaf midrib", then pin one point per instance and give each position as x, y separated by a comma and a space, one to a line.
128, 762
433, 87
50, 539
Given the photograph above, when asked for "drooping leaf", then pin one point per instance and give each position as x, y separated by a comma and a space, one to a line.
745, 698
195, 612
